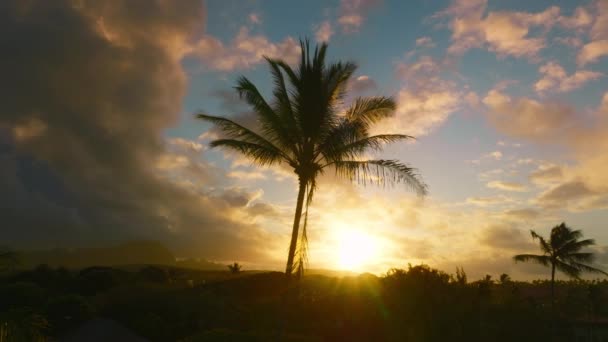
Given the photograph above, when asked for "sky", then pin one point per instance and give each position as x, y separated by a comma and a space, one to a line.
508, 101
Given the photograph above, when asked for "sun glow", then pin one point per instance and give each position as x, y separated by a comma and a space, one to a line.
355, 249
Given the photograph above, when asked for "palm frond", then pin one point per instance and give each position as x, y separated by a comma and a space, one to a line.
271, 123
369, 110
579, 257
291, 131
574, 246
568, 268
338, 150
337, 76
237, 132
260, 154
539, 259
380, 172
587, 268
544, 245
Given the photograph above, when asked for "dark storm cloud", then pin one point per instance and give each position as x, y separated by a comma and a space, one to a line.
87, 89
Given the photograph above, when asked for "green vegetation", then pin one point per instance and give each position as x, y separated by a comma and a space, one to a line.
305, 127
414, 304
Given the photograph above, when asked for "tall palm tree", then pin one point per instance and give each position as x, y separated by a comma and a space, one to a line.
562, 252
306, 127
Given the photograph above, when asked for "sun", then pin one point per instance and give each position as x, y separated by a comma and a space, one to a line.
355, 250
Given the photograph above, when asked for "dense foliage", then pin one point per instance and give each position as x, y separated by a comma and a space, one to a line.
414, 304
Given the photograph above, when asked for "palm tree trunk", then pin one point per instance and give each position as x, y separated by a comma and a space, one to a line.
296, 227
553, 323
553, 288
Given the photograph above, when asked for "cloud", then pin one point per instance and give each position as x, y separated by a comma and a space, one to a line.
362, 84
255, 18
502, 236
426, 99
352, 13
527, 118
592, 51
243, 175
597, 47
507, 33
323, 31
244, 52
569, 41
554, 78
546, 174
560, 195
525, 214
426, 42
506, 186
82, 127
496, 155
491, 173
488, 201
581, 18
185, 144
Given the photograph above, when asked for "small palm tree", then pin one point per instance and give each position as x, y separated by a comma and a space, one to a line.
305, 127
235, 268
562, 252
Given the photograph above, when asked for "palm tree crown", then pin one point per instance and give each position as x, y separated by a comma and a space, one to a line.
563, 251
306, 127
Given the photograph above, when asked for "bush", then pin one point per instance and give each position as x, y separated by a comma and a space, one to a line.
67, 312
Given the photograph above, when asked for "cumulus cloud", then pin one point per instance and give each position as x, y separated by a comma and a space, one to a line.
245, 51
426, 99
82, 125
528, 118
507, 33
555, 78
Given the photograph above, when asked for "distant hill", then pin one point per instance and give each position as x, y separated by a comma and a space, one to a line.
128, 253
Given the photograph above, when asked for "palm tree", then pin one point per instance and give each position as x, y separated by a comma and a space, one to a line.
235, 268
306, 127
562, 252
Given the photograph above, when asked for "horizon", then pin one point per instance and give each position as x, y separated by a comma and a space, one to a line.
508, 102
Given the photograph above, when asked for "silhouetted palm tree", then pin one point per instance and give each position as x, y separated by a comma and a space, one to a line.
306, 127
235, 268
562, 252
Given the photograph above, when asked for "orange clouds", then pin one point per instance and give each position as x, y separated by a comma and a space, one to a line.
505, 32
555, 78
527, 118
426, 99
